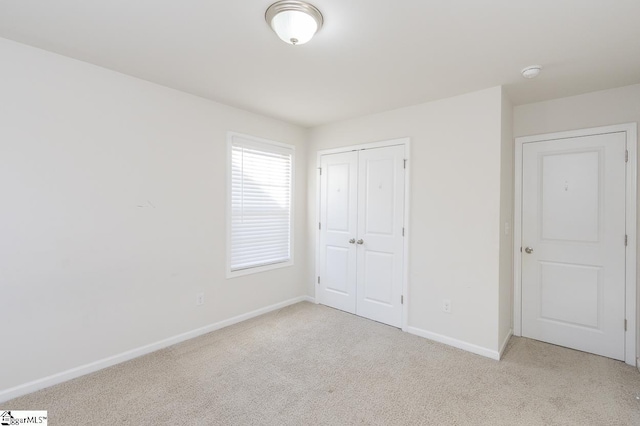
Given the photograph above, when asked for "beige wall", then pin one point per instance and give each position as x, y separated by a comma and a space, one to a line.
606, 107
603, 108
113, 214
454, 228
506, 222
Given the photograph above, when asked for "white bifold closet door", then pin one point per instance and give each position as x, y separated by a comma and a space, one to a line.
361, 233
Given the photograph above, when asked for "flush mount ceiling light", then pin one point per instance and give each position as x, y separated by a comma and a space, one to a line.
295, 22
531, 72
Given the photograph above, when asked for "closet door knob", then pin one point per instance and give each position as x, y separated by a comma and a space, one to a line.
360, 241
352, 241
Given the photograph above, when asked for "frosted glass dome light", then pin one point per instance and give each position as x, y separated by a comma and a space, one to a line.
295, 22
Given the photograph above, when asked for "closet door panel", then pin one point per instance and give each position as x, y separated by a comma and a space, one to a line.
338, 216
380, 239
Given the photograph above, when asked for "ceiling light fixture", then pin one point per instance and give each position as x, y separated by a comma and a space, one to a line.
531, 72
295, 22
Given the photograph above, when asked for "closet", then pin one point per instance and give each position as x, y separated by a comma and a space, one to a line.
361, 232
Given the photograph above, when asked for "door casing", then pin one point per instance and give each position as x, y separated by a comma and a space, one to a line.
407, 188
630, 213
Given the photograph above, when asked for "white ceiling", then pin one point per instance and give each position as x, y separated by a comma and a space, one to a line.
370, 56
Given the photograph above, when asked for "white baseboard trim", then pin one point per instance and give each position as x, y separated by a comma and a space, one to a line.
503, 346
469, 347
73, 373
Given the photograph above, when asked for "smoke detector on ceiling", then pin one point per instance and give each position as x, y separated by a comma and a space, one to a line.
532, 71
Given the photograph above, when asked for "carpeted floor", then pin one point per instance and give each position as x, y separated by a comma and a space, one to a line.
308, 364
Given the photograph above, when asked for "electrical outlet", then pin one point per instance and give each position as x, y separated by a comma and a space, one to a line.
446, 306
200, 299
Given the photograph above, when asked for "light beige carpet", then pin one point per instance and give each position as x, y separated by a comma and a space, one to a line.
309, 364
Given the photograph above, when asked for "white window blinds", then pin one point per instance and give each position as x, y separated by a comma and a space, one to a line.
261, 185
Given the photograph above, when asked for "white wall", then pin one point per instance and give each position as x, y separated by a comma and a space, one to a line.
506, 222
455, 210
602, 108
112, 214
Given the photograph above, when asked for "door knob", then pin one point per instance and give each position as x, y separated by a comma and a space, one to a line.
529, 250
360, 241
352, 241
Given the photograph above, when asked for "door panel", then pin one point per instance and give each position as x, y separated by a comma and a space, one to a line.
379, 195
338, 215
378, 268
571, 188
380, 222
571, 294
338, 196
337, 275
573, 204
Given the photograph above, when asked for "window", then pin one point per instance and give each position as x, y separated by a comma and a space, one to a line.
259, 205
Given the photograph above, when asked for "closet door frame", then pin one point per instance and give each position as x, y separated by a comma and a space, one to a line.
406, 142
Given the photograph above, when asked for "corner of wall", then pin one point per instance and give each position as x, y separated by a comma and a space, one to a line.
505, 320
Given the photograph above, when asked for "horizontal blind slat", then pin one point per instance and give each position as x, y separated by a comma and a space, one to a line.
260, 206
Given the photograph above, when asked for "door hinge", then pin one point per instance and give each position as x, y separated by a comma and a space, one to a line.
626, 240
320, 168
520, 249
626, 156
404, 164
402, 300
319, 225
403, 232
318, 279
625, 325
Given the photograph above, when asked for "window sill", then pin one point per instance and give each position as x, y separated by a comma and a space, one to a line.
258, 269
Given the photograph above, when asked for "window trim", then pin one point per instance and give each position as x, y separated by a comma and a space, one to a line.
278, 146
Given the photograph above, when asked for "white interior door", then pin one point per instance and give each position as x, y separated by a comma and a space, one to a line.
573, 242
380, 239
338, 218
361, 246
